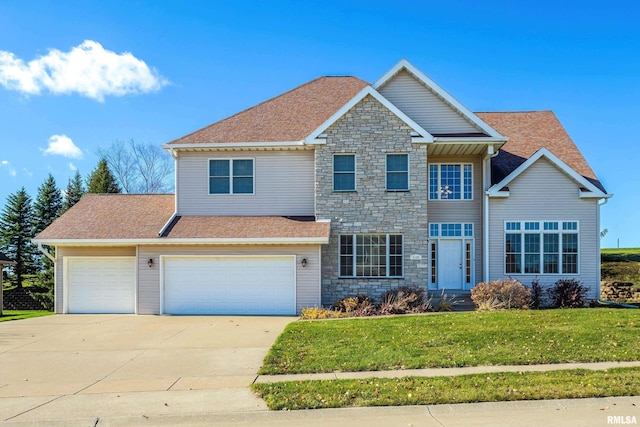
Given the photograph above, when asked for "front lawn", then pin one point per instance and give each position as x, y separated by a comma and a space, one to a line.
455, 340
566, 384
22, 314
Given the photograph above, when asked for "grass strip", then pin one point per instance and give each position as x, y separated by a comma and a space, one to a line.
493, 387
456, 340
22, 314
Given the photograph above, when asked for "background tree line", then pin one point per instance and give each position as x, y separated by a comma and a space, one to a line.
124, 167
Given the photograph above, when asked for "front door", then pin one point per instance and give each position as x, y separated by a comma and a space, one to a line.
450, 264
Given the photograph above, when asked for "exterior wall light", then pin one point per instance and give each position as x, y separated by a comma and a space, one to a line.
303, 262
150, 262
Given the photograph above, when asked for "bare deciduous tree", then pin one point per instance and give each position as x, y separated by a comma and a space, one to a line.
140, 168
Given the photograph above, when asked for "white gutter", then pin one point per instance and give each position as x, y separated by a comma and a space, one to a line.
459, 140
189, 241
223, 145
46, 253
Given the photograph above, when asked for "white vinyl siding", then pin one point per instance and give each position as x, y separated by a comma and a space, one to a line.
307, 278
425, 107
544, 193
283, 185
463, 211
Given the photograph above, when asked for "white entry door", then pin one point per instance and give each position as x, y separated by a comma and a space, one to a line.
450, 264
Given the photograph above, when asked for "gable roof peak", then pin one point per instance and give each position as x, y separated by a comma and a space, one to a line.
405, 65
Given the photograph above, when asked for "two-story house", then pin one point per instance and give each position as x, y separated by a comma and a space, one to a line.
335, 188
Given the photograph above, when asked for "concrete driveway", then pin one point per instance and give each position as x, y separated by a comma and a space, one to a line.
87, 366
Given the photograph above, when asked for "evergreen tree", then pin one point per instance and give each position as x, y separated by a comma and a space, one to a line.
48, 204
75, 191
46, 209
102, 180
16, 232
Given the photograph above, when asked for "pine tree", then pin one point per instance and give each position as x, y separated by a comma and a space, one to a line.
75, 191
102, 180
46, 209
16, 232
48, 204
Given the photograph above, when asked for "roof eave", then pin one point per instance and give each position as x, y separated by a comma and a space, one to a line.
186, 241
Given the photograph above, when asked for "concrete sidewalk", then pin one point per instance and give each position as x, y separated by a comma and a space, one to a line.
565, 413
442, 372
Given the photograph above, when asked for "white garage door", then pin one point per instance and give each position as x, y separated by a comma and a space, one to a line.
230, 285
101, 285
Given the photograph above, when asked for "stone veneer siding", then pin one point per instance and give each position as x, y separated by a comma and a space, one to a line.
370, 131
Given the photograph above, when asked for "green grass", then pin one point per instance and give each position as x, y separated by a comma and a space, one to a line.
22, 314
565, 384
621, 265
620, 254
456, 339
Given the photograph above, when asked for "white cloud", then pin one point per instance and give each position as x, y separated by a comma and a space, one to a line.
62, 145
5, 164
73, 167
87, 69
27, 172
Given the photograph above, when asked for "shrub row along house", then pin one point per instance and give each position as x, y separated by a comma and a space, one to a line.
336, 188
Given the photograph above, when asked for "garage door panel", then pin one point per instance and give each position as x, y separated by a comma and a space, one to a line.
229, 285
101, 285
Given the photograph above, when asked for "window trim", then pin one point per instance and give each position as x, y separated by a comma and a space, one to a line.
386, 173
560, 231
354, 256
231, 160
355, 175
462, 165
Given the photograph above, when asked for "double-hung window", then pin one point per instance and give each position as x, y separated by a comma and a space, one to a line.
451, 181
541, 247
344, 172
231, 176
371, 255
397, 172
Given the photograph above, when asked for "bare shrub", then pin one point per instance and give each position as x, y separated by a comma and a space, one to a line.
501, 294
568, 293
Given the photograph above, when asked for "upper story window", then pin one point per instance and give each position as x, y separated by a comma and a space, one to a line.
344, 172
397, 172
451, 181
541, 247
231, 176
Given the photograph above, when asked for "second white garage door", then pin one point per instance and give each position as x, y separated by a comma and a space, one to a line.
229, 285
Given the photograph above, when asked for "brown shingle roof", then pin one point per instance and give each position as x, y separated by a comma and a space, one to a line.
528, 132
246, 227
128, 216
113, 216
291, 116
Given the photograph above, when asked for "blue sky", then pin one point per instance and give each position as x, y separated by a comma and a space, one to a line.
169, 68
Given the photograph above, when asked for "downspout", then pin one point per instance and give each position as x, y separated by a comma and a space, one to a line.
175, 191
46, 253
485, 205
